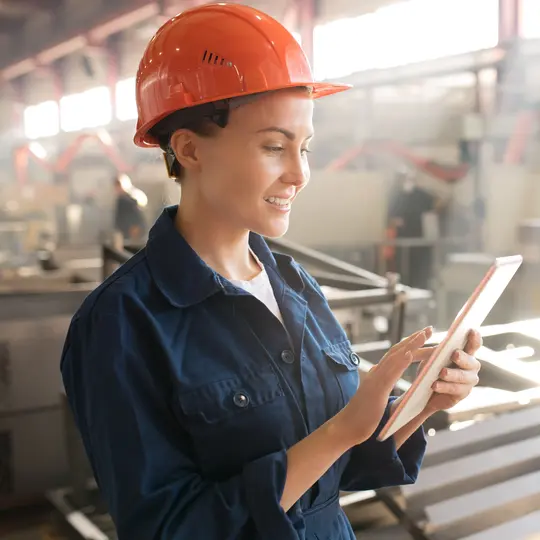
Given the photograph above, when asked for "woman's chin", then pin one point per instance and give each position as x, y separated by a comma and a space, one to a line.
274, 228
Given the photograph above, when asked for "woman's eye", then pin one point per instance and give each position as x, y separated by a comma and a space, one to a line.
279, 149
275, 149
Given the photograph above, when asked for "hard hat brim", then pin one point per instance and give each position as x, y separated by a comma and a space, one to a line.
319, 89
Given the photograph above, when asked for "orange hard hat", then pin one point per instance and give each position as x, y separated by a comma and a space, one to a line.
217, 52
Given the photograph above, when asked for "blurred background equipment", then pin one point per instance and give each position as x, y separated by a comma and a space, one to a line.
420, 176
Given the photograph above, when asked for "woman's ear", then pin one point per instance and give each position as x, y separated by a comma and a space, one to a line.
184, 144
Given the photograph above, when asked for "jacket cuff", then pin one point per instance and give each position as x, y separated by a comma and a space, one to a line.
375, 464
264, 481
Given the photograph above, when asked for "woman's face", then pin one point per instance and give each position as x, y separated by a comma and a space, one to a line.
249, 173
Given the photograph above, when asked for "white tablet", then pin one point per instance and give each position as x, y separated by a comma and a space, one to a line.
471, 316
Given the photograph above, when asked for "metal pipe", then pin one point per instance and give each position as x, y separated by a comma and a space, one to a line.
351, 299
323, 261
23, 153
340, 281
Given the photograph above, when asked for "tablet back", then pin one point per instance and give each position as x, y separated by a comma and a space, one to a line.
471, 316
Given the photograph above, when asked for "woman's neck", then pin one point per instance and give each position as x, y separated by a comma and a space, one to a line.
221, 247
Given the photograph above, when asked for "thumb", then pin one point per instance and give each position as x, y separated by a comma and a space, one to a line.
392, 371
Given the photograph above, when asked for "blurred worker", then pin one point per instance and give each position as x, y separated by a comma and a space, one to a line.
408, 206
128, 215
217, 395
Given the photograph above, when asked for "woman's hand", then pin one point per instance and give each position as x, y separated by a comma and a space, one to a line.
455, 384
361, 417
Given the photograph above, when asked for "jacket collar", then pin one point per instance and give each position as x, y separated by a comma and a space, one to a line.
185, 279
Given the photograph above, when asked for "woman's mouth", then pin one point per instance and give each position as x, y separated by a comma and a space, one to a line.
278, 203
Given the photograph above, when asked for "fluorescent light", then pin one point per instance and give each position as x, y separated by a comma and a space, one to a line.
346, 46
41, 120
126, 105
88, 109
37, 149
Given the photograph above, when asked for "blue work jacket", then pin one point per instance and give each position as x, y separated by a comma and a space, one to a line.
188, 392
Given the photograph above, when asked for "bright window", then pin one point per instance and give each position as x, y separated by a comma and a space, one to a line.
86, 110
403, 33
530, 19
41, 120
126, 105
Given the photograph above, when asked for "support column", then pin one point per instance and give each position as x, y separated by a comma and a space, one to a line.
509, 21
16, 90
306, 22
113, 68
509, 70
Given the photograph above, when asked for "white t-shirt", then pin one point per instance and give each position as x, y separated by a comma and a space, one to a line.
261, 288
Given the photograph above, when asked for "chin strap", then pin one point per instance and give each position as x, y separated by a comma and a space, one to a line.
171, 163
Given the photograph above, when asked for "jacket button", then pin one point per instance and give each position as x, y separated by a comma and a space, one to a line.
287, 357
355, 359
241, 400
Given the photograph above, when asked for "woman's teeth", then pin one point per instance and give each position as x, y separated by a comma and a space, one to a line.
278, 202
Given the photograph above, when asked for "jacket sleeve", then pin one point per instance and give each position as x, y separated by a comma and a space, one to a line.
375, 464
141, 455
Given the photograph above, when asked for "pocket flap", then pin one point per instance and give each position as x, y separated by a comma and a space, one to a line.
218, 400
342, 355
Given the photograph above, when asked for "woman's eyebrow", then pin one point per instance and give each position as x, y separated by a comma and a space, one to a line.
289, 134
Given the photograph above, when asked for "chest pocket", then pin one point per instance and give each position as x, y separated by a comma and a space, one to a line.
221, 400
235, 420
344, 364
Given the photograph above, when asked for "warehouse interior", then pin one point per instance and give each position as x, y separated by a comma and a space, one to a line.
445, 105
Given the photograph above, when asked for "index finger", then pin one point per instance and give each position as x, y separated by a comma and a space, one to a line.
405, 343
397, 361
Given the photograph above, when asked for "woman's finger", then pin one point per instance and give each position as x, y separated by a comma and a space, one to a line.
459, 376
395, 349
451, 389
466, 361
405, 342
404, 354
474, 342
423, 354
397, 362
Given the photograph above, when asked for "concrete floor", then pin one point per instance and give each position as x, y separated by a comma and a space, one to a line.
28, 524
37, 523
29, 534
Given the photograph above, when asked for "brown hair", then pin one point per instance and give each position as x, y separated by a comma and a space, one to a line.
202, 120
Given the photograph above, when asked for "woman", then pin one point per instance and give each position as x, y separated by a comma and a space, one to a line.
216, 394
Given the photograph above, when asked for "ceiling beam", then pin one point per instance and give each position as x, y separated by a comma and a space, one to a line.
27, 6
10, 25
134, 12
